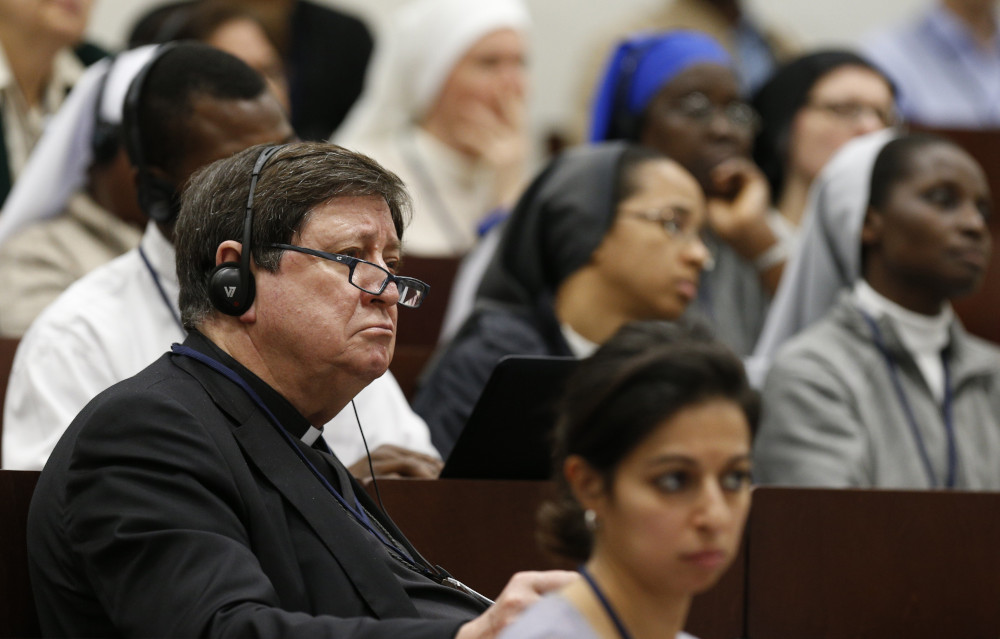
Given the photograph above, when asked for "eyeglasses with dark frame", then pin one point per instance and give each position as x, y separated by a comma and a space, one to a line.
667, 220
699, 107
370, 278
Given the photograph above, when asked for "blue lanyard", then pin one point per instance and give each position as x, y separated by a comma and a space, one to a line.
622, 630
356, 510
911, 420
159, 287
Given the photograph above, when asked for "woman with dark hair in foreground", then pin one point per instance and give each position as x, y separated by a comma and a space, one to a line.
652, 457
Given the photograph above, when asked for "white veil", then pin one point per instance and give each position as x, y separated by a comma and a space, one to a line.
58, 165
413, 57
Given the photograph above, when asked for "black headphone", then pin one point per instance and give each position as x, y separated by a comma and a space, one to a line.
157, 197
624, 124
106, 138
231, 286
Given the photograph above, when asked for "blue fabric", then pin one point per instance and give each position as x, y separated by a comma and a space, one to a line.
647, 62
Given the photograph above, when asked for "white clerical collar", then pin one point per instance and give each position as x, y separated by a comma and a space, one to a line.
919, 333
579, 345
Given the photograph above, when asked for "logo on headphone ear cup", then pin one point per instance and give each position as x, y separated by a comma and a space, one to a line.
227, 290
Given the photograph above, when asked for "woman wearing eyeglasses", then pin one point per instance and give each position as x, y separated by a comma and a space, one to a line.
808, 110
652, 464
603, 236
677, 92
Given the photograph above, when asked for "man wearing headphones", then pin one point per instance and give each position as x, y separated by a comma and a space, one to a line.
190, 105
222, 513
55, 231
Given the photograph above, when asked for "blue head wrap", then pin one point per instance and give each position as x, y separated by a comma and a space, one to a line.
639, 68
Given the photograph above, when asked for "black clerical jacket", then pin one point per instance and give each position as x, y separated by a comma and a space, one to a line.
174, 507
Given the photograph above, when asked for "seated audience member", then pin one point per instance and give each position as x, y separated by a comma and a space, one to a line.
652, 461
757, 49
191, 105
444, 108
605, 235
105, 221
229, 28
808, 110
887, 390
38, 66
95, 215
677, 92
945, 63
194, 499
325, 52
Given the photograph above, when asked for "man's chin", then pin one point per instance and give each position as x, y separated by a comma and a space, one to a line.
377, 367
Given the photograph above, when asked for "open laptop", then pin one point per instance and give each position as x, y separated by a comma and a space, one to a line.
507, 434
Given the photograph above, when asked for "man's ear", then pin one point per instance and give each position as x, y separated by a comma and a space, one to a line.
872, 227
228, 251
586, 483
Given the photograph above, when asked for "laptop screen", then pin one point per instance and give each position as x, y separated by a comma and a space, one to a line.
508, 433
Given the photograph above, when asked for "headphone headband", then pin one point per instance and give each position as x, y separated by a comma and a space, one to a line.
258, 166
157, 197
106, 136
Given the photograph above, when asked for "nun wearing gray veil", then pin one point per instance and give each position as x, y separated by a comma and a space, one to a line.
869, 378
560, 226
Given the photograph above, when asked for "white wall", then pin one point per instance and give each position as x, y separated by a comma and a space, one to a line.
565, 29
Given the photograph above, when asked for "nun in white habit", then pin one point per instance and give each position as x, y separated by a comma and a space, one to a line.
74, 206
443, 107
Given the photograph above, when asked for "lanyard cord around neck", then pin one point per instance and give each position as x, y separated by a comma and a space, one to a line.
357, 510
622, 630
159, 287
911, 420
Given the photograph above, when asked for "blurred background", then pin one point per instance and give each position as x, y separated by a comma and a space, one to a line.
566, 31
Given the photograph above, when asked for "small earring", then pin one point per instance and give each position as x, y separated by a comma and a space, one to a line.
590, 519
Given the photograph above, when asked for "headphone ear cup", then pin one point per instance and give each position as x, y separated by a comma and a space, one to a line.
158, 198
228, 291
105, 142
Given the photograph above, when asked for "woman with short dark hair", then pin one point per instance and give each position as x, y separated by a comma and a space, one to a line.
808, 109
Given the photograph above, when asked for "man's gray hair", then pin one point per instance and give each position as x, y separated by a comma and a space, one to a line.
298, 178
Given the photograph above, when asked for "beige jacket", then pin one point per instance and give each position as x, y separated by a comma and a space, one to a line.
40, 262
